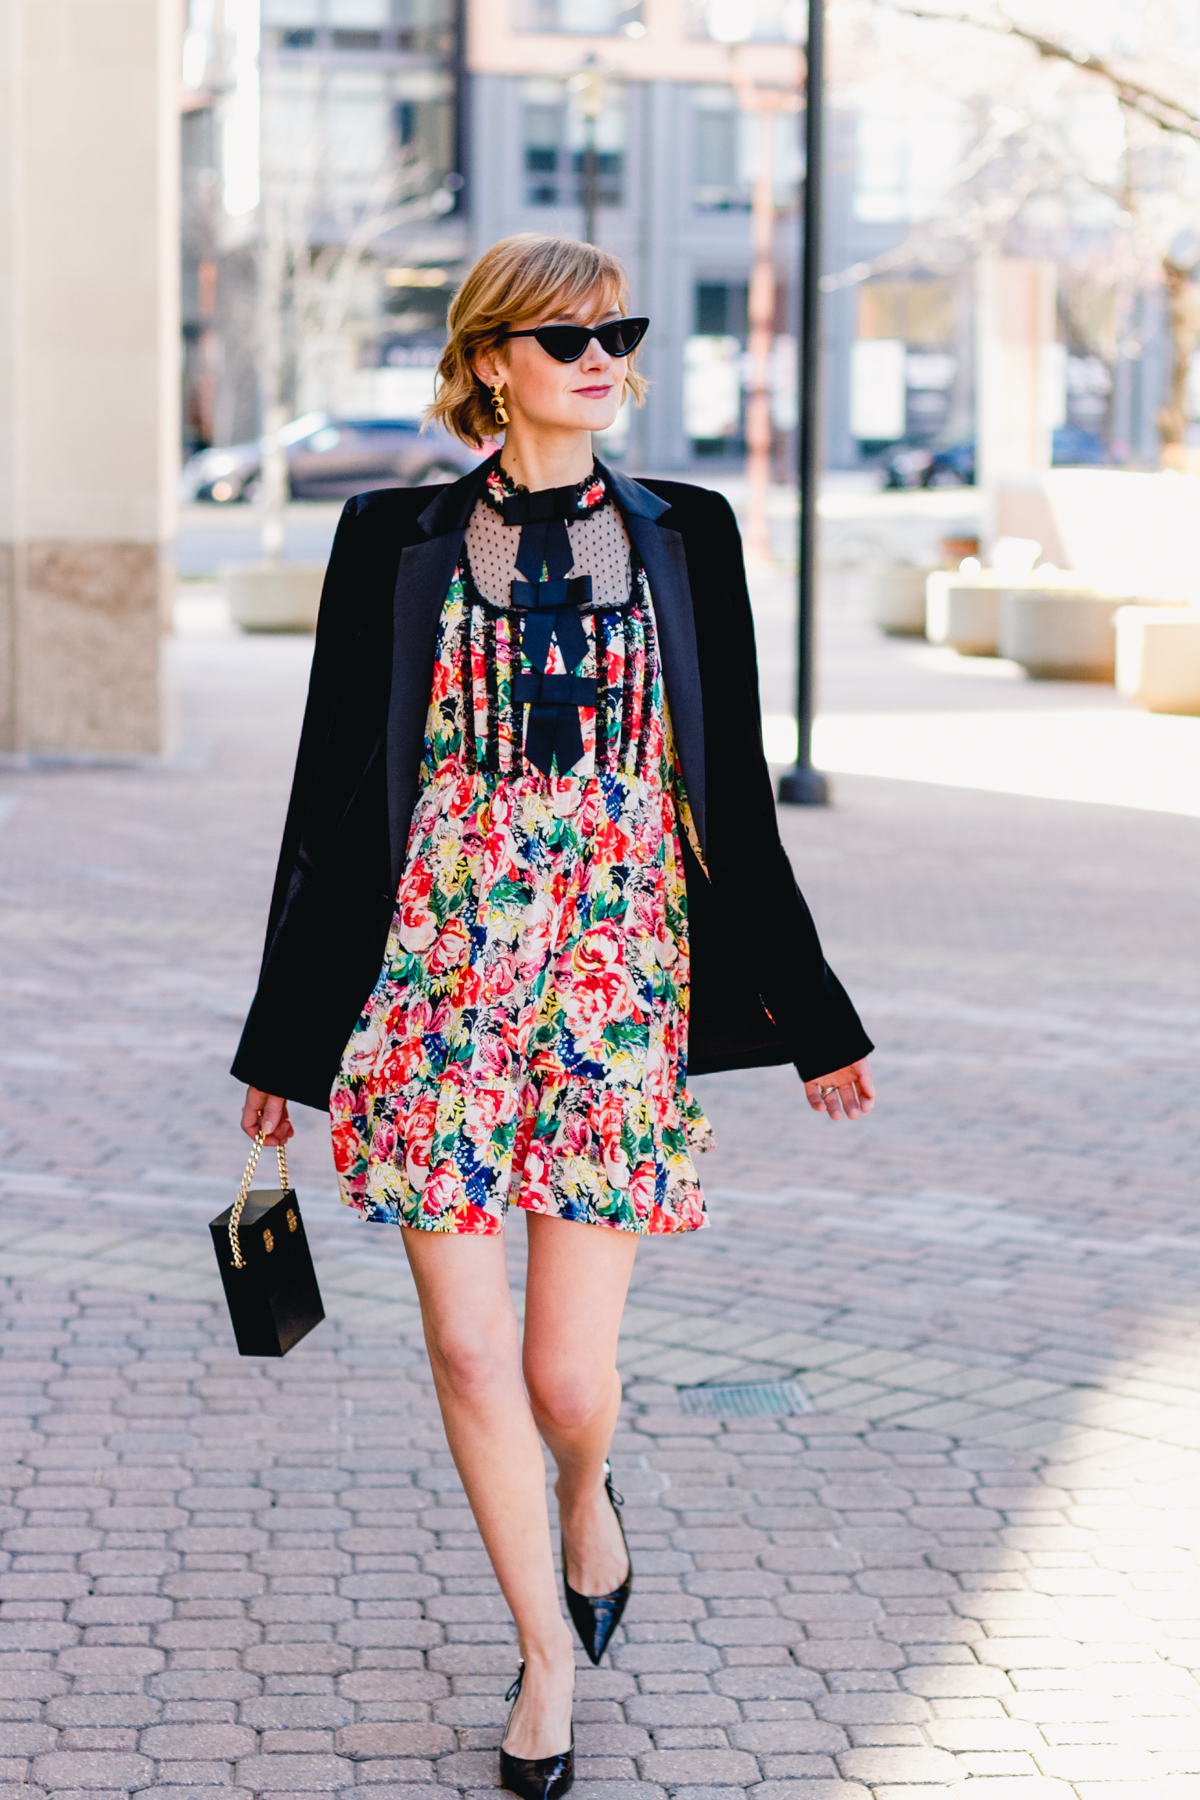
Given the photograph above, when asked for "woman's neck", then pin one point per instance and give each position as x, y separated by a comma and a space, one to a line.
538, 460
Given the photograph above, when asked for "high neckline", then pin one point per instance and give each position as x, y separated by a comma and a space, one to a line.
589, 493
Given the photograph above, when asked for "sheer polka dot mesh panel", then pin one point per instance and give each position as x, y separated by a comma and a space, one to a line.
598, 540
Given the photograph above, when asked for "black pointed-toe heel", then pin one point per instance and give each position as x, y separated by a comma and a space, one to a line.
535, 1777
597, 1616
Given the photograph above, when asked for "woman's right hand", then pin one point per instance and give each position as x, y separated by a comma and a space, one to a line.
267, 1113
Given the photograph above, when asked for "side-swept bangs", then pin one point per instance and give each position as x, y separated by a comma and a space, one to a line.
516, 281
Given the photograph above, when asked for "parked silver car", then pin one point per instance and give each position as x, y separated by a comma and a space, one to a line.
330, 459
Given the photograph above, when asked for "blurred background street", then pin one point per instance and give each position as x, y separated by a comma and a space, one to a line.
229, 233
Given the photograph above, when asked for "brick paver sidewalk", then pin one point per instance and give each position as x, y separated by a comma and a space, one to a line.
971, 1571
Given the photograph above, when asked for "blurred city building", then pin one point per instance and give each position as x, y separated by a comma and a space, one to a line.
922, 187
343, 160
338, 162
322, 142
383, 143
660, 109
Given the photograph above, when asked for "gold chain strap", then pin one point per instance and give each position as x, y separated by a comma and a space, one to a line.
235, 1217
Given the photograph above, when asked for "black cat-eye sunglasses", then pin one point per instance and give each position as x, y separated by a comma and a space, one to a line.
567, 343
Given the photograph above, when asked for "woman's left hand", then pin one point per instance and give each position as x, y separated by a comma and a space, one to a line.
848, 1093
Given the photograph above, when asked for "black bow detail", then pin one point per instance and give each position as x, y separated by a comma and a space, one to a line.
553, 733
551, 606
552, 611
524, 508
573, 590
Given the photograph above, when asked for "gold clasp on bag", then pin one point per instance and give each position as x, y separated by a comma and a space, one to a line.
235, 1217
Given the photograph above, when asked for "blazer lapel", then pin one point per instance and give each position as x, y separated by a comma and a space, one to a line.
422, 581
662, 554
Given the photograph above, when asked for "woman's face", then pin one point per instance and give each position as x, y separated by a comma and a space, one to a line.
542, 393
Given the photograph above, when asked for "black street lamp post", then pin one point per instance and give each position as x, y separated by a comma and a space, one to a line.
803, 785
590, 178
590, 86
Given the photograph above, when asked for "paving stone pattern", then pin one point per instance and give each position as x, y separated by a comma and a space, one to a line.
970, 1572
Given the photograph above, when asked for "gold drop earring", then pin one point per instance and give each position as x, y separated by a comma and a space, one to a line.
498, 406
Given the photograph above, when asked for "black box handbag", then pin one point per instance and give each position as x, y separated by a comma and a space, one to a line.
266, 1266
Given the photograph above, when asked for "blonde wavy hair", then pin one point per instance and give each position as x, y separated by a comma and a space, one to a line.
516, 281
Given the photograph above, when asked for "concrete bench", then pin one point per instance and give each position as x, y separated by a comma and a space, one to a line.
266, 596
895, 594
1061, 633
1158, 657
963, 611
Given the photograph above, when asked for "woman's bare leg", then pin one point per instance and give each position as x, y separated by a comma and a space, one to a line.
471, 1332
574, 1297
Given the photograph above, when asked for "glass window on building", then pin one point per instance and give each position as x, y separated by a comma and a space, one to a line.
726, 149
358, 24
744, 21
350, 26
357, 117
544, 129
720, 309
423, 121
597, 18
903, 368
555, 134
359, 12
723, 147
425, 26
290, 140
712, 369
330, 133
291, 12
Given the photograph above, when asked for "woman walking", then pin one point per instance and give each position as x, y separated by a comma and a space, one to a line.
530, 878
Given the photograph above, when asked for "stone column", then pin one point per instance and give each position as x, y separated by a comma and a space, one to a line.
89, 370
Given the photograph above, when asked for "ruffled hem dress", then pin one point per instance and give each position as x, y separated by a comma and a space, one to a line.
526, 1041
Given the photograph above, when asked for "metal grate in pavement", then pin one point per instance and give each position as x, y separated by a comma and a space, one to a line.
745, 1400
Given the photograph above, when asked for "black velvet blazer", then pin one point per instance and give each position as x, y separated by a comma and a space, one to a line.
761, 990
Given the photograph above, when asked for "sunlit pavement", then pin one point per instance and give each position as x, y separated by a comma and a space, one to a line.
971, 1571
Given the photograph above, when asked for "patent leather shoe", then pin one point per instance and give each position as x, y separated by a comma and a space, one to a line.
536, 1777
596, 1616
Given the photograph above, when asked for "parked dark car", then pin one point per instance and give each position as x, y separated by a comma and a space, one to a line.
1073, 444
330, 459
953, 465
925, 465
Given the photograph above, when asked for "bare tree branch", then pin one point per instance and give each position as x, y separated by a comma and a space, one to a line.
942, 241
1169, 115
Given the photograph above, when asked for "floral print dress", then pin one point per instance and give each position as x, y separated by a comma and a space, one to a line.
526, 1042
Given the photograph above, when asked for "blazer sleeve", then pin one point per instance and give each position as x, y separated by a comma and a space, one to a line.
750, 871
332, 651
331, 902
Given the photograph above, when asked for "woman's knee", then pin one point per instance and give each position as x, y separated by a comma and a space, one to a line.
568, 1399
471, 1363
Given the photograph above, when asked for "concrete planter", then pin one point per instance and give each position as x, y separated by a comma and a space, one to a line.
963, 612
1060, 634
267, 596
895, 593
1158, 657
